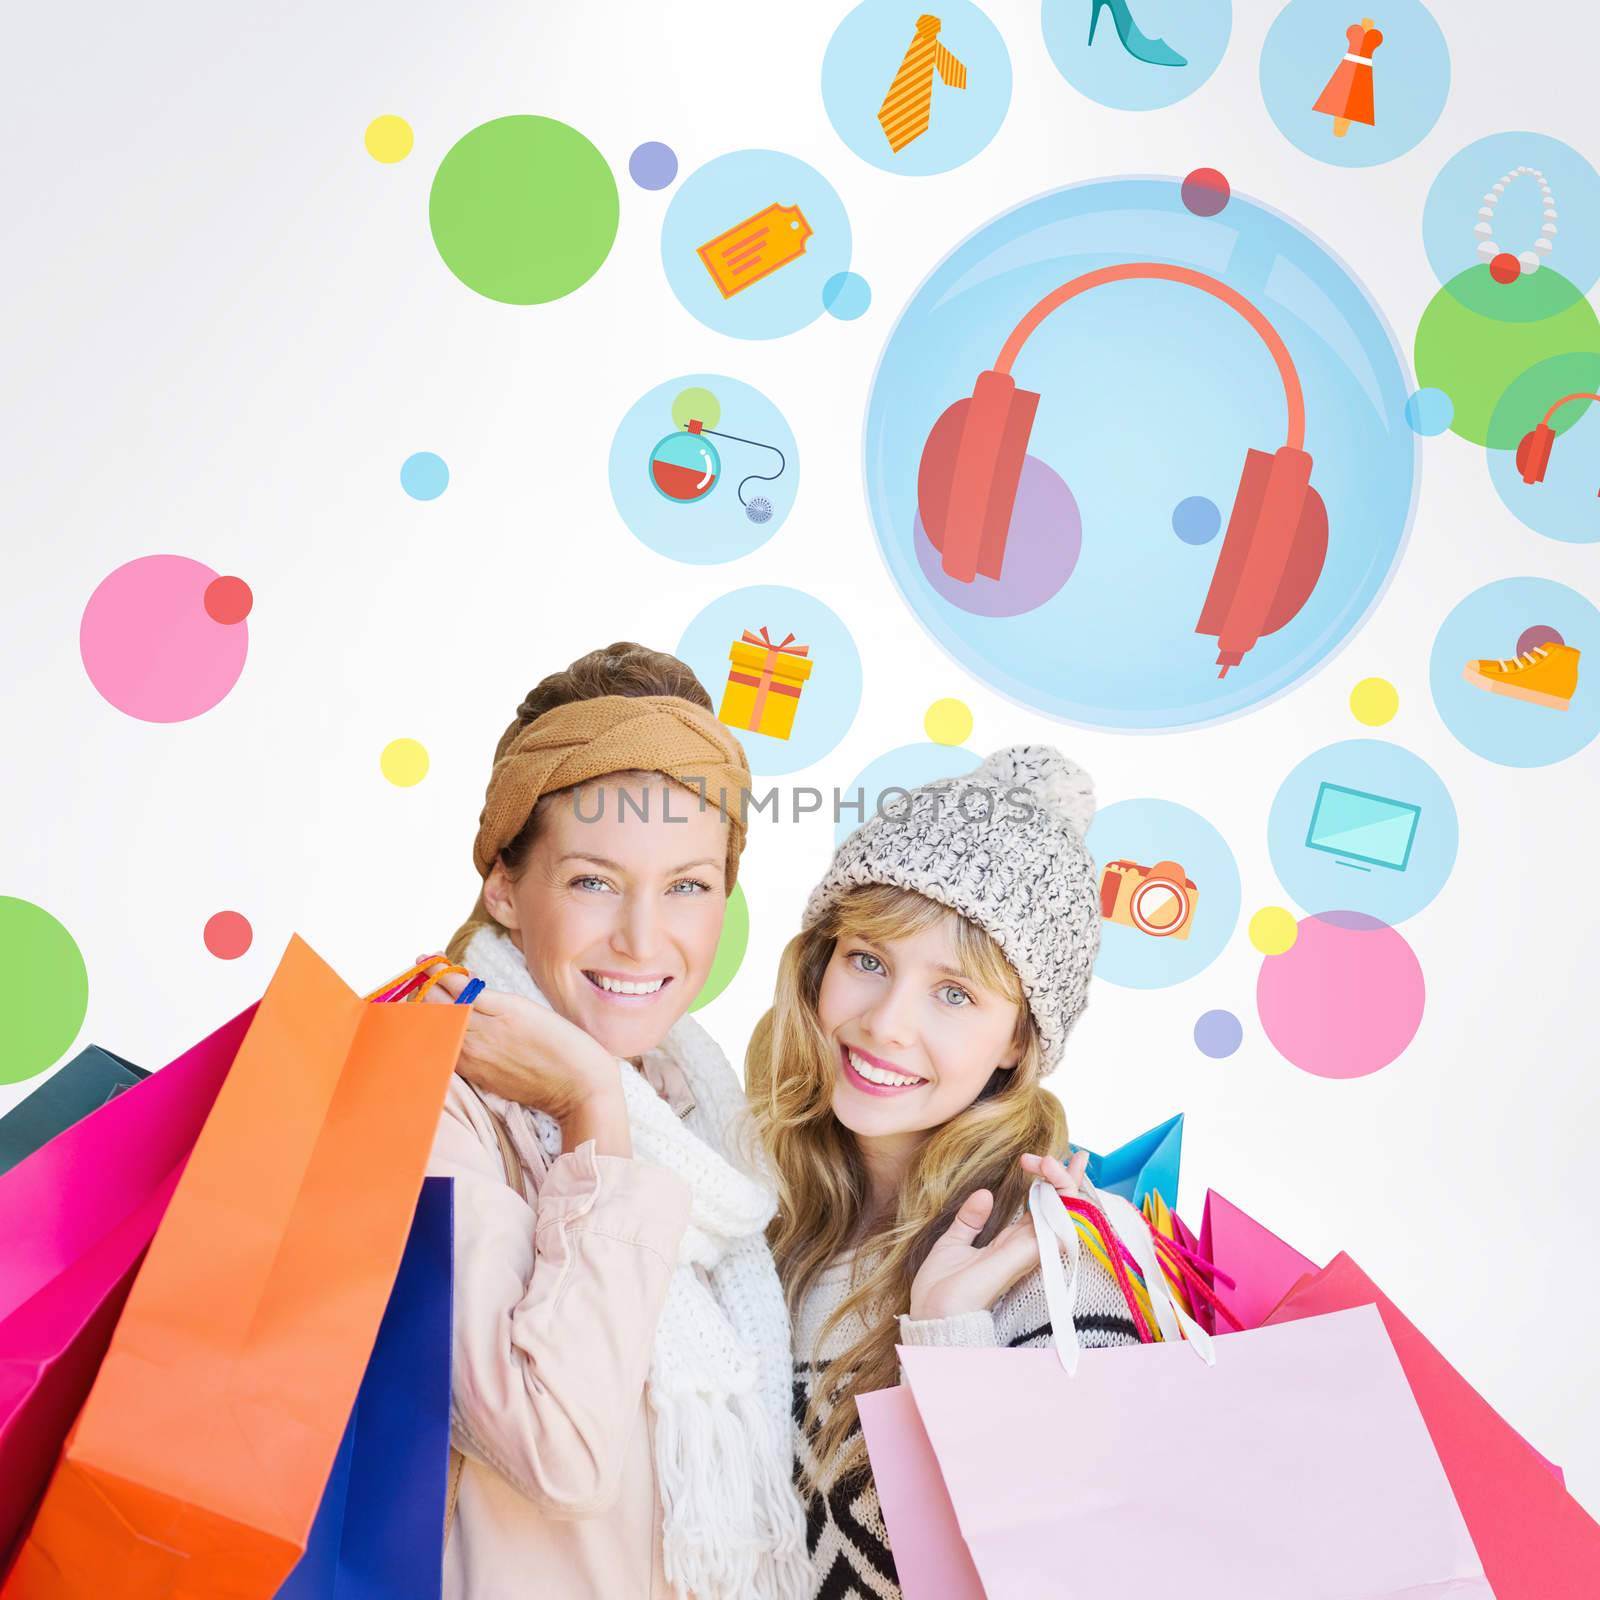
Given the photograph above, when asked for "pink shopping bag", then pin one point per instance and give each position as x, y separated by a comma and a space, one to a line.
79, 1213
1310, 1470
1535, 1540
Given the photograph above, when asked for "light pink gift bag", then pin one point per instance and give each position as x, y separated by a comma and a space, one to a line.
1246, 1467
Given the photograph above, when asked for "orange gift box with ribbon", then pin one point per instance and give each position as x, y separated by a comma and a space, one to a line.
764, 684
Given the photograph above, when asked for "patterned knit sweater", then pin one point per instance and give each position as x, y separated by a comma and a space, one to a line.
845, 1535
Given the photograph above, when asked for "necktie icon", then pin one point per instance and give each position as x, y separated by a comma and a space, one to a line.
905, 109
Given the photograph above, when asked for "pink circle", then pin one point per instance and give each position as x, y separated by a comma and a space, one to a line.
1538, 634
228, 935
1345, 1000
228, 600
149, 645
1205, 191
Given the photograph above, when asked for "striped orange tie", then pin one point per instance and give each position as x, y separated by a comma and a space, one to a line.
904, 112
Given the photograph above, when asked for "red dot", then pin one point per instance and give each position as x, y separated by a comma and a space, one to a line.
1205, 191
1505, 268
228, 600
228, 935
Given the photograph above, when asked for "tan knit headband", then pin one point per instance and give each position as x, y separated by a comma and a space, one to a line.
588, 739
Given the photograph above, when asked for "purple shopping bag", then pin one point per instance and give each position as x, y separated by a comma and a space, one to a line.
79, 1213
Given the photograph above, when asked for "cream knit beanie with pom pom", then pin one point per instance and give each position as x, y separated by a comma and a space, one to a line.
1003, 846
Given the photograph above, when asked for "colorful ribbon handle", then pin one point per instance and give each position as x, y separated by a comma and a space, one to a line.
415, 982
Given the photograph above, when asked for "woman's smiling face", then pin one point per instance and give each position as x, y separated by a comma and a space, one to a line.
916, 1041
619, 906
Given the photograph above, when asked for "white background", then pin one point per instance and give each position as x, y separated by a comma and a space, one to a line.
226, 326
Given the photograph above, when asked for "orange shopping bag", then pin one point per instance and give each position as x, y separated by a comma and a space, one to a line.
196, 1467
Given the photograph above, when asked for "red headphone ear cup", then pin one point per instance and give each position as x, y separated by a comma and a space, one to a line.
967, 479
1533, 454
1272, 554
1304, 567
937, 469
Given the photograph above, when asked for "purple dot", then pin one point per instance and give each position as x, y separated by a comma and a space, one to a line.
1196, 520
1218, 1034
1205, 191
1539, 634
653, 165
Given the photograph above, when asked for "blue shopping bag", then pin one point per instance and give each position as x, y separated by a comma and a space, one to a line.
379, 1533
1148, 1162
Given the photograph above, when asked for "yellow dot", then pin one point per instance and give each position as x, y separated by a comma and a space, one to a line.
388, 139
1273, 930
404, 762
948, 722
1374, 701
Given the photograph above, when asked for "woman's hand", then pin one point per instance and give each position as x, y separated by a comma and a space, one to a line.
959, 1276
525, 1052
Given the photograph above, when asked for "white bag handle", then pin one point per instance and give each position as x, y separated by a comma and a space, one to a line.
1053, 1226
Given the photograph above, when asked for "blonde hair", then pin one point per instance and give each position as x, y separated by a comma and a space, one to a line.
790, 1071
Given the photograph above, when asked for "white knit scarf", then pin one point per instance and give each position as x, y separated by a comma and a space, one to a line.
721, 1368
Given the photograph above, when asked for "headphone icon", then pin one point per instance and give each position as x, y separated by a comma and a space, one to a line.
1277, 536
1533, 454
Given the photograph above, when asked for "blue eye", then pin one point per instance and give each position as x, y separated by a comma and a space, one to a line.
589, 878
965, 998
692, 883
864, 956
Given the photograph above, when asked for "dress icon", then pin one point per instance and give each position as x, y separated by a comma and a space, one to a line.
1347, 96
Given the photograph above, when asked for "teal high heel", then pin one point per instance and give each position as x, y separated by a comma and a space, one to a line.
1156, 52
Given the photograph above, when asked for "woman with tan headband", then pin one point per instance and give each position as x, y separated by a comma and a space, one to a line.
621, 1382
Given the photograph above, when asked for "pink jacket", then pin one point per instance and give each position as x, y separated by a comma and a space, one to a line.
556, 1304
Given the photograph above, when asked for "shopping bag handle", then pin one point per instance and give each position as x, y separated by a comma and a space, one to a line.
417, 980
1055, 1229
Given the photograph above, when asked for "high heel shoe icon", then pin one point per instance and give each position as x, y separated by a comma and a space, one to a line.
1156, 52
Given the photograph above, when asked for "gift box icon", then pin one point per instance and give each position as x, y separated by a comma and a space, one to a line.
764, 683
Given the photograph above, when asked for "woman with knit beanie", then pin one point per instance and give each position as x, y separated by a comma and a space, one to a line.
621, 1366
898, 1084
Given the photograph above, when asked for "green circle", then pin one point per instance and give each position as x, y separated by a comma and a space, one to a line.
1480, 342
523, 210
696, 405
731, 947
48, 986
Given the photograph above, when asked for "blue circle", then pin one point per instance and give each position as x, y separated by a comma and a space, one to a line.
1304, 52
909, 767
1365, 826
863, 60
1196, 520
653, 165
744, 204
716, 526
1130, 73
1430, 411
1143, 833
846, 295
1131, 435
424, 475
1466, 180
1565, 503
1218, 1034
1486, 626
829, 698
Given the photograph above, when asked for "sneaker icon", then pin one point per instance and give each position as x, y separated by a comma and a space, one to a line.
1546, 675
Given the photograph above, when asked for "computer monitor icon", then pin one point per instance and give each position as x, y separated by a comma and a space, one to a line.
1363, 830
